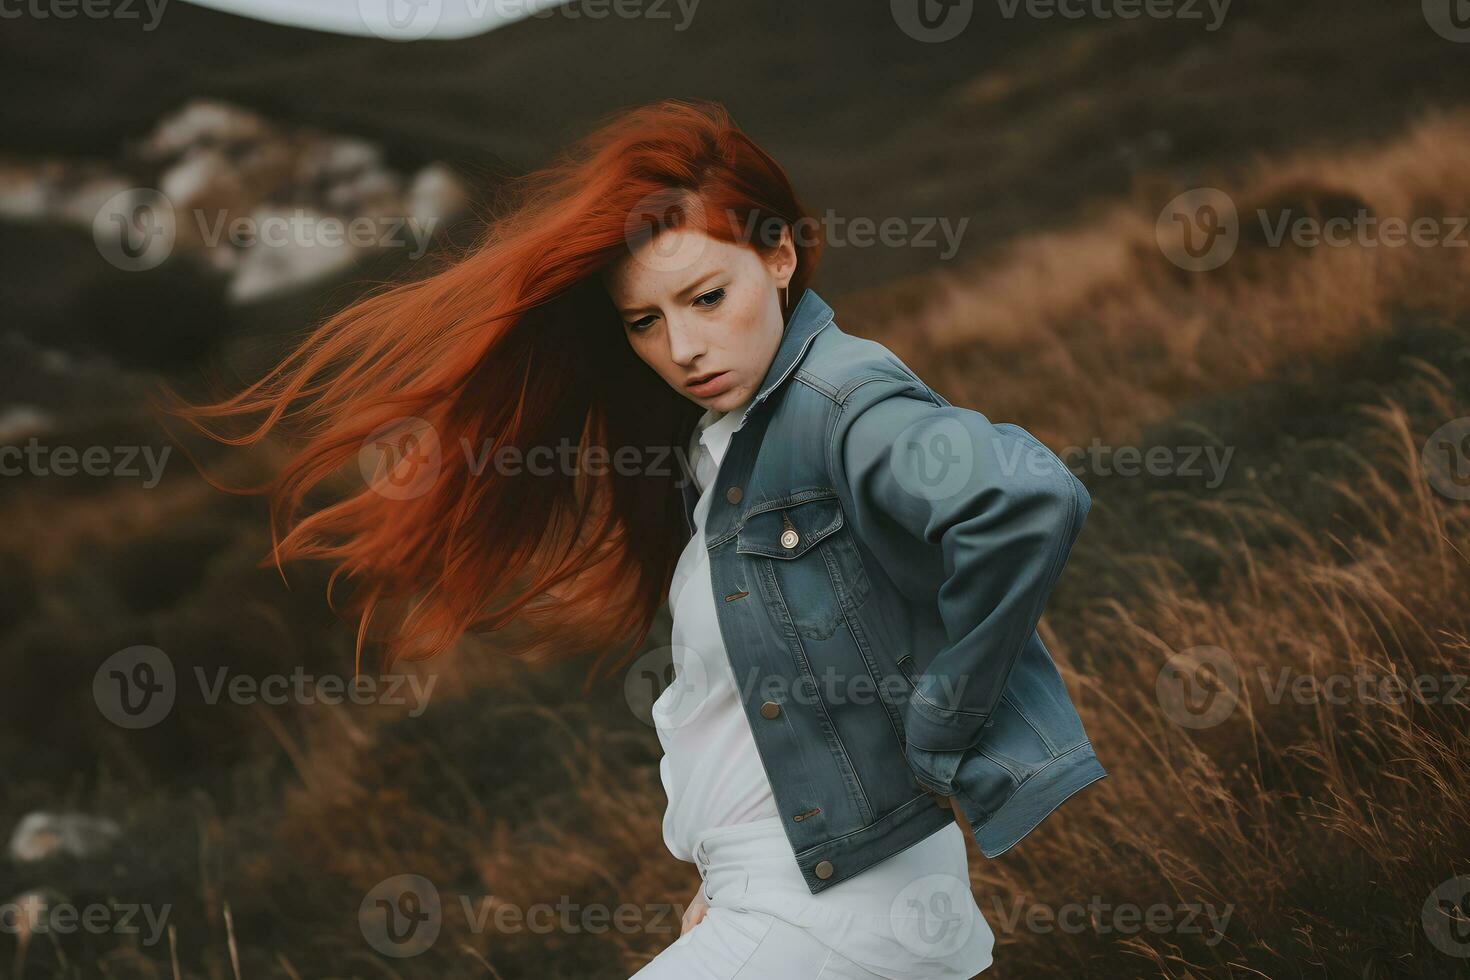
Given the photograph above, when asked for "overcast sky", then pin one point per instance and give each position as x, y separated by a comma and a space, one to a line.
399, 20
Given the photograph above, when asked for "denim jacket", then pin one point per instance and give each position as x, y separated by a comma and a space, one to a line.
880, 559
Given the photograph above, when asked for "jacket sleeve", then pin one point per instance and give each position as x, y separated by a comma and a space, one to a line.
1003, 511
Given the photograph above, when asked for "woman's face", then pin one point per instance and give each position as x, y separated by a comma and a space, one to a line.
704, 313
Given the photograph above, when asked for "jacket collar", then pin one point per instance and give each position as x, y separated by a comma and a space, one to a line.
807, 319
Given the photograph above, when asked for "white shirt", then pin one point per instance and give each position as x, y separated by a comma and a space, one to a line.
711, 771
713, 776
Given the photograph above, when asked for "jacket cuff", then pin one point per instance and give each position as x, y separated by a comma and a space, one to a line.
934, 770
932, 728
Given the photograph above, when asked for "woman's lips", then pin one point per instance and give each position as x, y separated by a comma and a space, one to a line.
712, 386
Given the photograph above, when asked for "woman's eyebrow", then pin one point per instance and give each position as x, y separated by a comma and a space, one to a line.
683, 295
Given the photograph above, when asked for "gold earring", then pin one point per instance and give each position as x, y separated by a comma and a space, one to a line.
783, 297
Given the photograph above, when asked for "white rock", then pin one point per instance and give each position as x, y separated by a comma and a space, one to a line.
304, 254
201, 121
20, 421
435, 194
41, 835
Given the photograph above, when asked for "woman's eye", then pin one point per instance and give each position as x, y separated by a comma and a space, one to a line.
641, 324
711, 298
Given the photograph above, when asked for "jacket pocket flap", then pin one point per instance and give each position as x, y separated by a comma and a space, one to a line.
788, 531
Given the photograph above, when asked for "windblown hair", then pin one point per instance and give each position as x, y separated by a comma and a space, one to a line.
414, 390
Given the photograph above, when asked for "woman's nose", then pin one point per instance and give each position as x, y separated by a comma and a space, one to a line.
686, 341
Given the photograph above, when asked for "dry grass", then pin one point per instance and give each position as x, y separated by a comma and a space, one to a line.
1092, 331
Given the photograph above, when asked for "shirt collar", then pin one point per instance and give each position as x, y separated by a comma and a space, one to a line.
715, 428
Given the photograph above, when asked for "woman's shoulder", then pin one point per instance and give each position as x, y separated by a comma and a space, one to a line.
842, 363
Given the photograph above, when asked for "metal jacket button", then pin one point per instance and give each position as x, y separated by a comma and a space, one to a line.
789, 539
733, 495
770, 709
823, 870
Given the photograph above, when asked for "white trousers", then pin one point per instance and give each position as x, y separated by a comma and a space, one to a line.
910, 917
741, 944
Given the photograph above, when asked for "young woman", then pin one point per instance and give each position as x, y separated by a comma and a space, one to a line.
855, 566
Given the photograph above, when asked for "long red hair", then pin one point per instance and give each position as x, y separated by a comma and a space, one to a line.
511, 346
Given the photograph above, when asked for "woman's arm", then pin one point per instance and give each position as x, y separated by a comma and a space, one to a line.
1002, 509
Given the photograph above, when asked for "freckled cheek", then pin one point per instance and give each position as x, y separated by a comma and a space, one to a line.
748, 334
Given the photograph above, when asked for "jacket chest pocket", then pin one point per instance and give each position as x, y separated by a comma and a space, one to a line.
807, 563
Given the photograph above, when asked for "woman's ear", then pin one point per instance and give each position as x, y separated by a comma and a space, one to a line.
782, 259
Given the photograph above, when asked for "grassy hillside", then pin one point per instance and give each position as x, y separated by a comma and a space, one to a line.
1312, 828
